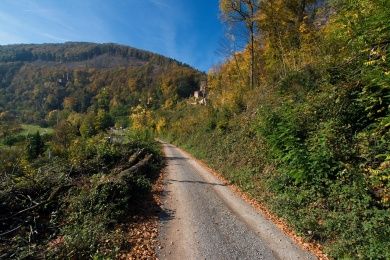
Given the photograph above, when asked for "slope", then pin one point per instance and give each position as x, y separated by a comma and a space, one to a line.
311, 139
39, 80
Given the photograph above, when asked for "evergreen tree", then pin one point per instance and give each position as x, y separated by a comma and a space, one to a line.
35, 146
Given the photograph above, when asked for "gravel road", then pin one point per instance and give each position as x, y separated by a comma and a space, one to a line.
203, 219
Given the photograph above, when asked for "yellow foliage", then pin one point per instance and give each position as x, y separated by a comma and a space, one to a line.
69, 103
168, 103
28, 170
75, 119
382, 177
166, 88
132, 84
228, 82
160, 125
141, 118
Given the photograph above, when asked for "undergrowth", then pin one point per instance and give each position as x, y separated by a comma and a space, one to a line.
77, 203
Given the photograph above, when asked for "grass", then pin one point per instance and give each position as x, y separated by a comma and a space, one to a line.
32, 129
20, 132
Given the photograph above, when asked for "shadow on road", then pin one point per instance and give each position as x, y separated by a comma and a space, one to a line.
175, 158
197, 182
166, 215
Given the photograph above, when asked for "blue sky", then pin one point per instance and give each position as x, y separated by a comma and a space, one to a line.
187, 30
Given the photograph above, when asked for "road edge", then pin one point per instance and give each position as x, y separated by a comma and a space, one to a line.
314, 248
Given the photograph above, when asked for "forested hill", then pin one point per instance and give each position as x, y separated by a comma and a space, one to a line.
79, 51
44, 83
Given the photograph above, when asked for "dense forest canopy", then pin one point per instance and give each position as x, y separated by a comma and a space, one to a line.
40, 81
75, 51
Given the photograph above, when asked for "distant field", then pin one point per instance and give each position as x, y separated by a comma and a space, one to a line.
20, 134
32, 129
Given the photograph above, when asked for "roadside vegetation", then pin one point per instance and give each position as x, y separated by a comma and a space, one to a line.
78, 157
311, 138
299, 119
64, 196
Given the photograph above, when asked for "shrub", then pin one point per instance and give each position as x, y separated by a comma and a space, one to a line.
73, 205
35, 146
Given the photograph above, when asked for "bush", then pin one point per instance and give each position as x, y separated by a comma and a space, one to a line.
317, 161
35, 146
13, 139
73, 206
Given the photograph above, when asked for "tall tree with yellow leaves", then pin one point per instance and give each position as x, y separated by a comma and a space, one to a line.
243, 12
284, 24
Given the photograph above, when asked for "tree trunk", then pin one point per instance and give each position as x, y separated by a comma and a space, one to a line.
252, 36
252, 63
301, 17
301, 12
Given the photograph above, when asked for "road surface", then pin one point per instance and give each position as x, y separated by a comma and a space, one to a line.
203, 219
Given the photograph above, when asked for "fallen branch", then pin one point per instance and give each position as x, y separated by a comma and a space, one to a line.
130, 162
135, 157
52, 195
141, 163
137, 166
10, 231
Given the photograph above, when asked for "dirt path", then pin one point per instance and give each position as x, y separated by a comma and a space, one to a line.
204, 219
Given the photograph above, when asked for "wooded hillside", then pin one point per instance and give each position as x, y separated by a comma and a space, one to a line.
300, 118
47, 82
71, 185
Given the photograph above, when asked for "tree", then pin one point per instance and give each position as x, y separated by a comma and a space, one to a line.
64, 133
281, 21
87, 128
103, 120
70, 103
290, 33
35, 146
103, 100
243, 12
141, 118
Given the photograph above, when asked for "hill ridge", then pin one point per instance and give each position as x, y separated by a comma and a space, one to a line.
75, 51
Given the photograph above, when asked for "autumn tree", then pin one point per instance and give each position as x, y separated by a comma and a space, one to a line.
243, 12
141, 118
87, 128
69, 103
64, 133
103, 100
103, 120
284, 25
